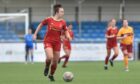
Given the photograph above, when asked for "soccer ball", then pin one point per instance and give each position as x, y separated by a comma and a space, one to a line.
68, 76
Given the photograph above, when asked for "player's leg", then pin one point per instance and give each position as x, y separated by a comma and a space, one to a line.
26, 54
32, 56
54, 65
56, 55
49, 57
107, 58
67, 54
125, 53
116, 52
130, 51
129, 55
64, 56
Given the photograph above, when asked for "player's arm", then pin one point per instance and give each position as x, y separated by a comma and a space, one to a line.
109, 36
66, 32
35, 42
62, 37
120, 35
72, 35
68, 35
44, 22
37, 30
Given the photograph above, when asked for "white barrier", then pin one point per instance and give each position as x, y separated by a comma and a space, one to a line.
90, 52
15, 52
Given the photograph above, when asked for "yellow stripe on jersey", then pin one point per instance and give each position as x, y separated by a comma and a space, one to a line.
129, 32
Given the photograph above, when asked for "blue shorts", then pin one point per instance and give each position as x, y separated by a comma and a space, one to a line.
27, 48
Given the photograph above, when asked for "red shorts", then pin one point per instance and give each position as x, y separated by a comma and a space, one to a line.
55, 45
67, 45
127, 47
111, 45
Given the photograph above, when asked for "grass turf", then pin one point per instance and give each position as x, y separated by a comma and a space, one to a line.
84, 73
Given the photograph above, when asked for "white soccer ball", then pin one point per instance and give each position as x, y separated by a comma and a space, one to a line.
68, 76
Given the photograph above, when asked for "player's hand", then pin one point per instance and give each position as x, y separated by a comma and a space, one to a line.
62, 37
125, 36
113, 36
34, 37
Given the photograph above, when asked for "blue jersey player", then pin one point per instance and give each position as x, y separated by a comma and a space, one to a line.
29, 46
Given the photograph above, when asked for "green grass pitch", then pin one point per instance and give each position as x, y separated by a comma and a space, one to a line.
84, 73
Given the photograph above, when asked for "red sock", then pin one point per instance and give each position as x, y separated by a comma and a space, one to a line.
48, 62
106, 60
66, 60
64, 56
53, 68
114, 56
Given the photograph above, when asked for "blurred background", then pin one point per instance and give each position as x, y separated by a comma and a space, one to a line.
88, 17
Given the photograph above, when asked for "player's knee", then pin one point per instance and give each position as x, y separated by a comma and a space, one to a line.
50, 58
129, 55
108, 55
54, 62
31, 54
125, 54
68, 54
116, 54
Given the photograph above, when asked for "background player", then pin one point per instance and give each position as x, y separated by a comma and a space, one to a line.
125, 34
111, 43
29, 46
52, 41
66, 46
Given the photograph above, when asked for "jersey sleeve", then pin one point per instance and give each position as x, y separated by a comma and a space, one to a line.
45, 21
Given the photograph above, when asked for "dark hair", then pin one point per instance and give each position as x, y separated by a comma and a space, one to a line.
56, 8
